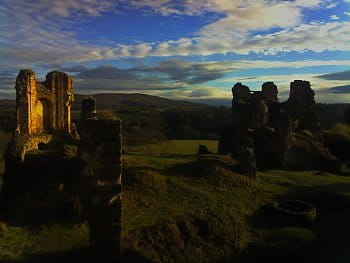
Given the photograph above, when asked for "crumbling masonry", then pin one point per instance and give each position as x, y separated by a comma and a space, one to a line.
43, 109
99, 150
264, 132
51, 172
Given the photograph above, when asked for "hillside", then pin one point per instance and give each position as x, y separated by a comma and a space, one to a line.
7, 104
327, 112
180, 207
115, 100
148, 119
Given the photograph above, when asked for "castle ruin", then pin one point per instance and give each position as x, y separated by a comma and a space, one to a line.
265, 132
43, 109
55, 171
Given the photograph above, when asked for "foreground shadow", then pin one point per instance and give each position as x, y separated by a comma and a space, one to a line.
327, 239
75, 255
80, 255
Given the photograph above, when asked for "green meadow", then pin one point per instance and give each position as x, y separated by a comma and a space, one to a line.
181, 207
175, 147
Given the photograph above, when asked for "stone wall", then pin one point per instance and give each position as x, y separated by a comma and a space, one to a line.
100, 150
300, 106
271, 127
43, 112
43, 107
85, 184
33, 141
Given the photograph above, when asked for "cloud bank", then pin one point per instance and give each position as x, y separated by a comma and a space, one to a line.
49, 36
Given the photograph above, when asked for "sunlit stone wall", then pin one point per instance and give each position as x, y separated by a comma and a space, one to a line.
43, 107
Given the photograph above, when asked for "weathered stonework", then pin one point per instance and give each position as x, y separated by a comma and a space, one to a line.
43, 107
300, 106
274, 129
249, 110
74, 176
269, 92
34, 140
100, 150
88, 108
43, 113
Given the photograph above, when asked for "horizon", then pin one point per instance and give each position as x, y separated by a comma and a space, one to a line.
207, 101
183, 50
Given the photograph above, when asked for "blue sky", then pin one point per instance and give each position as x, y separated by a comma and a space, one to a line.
181, 49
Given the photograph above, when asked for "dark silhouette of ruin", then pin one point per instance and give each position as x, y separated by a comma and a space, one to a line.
54, 171
264, 132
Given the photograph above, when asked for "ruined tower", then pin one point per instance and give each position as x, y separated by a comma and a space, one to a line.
249, 109
301, 91
75, 177
100, 150
300, 106
43, 107
42, 115
265, 132
269, 91
88, 108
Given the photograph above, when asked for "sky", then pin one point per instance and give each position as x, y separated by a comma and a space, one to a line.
179, 49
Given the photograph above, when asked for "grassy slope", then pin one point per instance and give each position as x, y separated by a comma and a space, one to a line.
174, 147
185, 208
195, 209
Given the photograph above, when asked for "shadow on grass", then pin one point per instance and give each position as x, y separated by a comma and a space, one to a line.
41, 216
160, 155
327, 239
75, 255
79, 255
132, 256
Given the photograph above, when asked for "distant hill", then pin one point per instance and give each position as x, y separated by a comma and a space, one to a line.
146, 118
7, 104
115, 100
149, 118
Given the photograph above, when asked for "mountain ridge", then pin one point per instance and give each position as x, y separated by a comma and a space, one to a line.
112, 100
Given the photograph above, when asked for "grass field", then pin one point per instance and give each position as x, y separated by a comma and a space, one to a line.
176, 147
180, 207
198, 209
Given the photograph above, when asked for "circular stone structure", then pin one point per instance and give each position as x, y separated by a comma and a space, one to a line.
293, 212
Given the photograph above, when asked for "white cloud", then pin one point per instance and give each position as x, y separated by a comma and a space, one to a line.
59, 48
317, 37
334, 17
201, 92
49, 35
290, 64
347, 13
330, 4
254, 17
